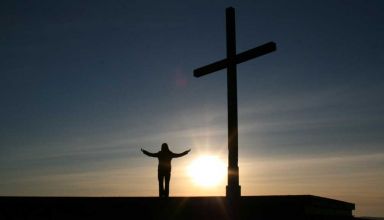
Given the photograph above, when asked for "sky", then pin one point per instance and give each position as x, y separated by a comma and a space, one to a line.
85, 84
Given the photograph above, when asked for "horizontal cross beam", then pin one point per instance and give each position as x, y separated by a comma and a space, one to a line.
241, 57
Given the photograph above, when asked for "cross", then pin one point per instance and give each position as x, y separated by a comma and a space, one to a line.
233, 189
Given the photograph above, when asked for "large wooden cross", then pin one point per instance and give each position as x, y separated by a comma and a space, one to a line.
233, 188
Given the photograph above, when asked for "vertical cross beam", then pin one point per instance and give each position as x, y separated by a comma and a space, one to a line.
233, 187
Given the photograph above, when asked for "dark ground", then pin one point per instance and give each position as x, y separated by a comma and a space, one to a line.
247, 207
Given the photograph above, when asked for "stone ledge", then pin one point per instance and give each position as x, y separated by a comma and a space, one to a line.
247, 207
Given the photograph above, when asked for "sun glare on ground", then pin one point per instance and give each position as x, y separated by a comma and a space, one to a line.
207, 171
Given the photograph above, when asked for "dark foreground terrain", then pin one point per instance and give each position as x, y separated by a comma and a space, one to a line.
215, 208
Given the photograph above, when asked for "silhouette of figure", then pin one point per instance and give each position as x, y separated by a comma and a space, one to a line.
164, 168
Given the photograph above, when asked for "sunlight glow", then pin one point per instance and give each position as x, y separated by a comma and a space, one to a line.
207, 171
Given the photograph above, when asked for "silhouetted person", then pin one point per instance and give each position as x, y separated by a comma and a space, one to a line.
164, 168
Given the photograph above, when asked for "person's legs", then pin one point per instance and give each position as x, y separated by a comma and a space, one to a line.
160, 177
167, 179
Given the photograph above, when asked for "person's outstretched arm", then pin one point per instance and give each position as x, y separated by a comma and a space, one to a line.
181, 154
149, 153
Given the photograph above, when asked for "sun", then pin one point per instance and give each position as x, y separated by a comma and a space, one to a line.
207, 171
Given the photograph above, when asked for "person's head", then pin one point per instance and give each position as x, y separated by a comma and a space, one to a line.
164, 147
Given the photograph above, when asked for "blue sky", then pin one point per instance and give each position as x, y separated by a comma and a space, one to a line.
84, 85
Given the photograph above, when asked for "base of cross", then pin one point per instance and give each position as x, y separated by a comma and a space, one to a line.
246, 207
233, 191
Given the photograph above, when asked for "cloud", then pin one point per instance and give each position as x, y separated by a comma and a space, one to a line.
354, 178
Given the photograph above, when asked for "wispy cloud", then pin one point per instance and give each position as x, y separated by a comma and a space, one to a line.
351, 177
